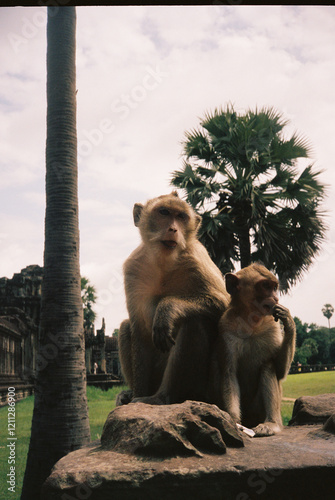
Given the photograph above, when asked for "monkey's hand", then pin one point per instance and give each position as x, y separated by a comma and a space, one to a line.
280, 312
162, 336
284, 356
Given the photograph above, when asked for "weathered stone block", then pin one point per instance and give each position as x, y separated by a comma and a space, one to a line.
313, 409
189, 428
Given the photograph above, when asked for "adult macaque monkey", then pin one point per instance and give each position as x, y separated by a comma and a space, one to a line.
175, 296
254, 352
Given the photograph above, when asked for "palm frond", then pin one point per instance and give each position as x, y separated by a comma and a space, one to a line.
305, 189
218, 236
308, 181
287, 241
288, 151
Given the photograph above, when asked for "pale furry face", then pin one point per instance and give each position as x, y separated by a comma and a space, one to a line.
255, 287
166, 223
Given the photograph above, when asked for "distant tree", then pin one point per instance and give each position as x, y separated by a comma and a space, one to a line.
302, 331
328, 312
311, 335
332, 351
88, 297
241, 174
304, 353
115, 334
322, 338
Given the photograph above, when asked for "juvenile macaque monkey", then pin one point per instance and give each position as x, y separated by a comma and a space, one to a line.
253, 352
175, 296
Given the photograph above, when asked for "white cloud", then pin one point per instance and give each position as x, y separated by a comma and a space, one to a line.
21, 242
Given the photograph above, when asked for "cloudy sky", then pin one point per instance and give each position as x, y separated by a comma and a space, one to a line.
146, 75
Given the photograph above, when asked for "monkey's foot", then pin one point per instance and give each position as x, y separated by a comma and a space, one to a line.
266, 429
156, 399
123, 398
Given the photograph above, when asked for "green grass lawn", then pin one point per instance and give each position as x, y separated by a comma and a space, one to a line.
23, 415
305, 384
100, 403
309, 384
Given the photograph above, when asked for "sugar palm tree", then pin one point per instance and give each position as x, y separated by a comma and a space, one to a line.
88, 297
60, 419
241, 174
328, 312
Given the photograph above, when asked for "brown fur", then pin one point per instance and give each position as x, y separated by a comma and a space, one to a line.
253, 352
175, 296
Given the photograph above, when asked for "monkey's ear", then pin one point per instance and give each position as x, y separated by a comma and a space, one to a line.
232, 283
198, 220
174, 193
137, 212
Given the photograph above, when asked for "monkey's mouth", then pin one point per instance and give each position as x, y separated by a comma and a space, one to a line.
267, 307
169, 244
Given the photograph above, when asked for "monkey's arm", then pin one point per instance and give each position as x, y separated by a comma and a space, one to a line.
285, 354
171, 310
124, 342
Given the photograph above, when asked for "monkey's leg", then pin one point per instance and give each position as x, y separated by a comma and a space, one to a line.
136, 357
270, 391
231, 395
187, 370
143, 373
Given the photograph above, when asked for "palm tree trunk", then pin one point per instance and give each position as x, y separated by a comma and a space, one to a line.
245, 247
60, 419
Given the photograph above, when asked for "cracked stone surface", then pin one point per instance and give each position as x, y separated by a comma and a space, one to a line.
190, 428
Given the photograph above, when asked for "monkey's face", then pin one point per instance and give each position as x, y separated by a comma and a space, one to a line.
168, 227
255, 288
266, 295
166, 224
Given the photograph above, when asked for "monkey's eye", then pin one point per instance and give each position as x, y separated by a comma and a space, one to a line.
270, 286
164, 211
182, 216
267, 285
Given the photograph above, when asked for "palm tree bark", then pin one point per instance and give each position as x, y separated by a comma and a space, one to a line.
60, 419
244, 245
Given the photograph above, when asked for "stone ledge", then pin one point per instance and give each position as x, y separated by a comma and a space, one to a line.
298, 463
